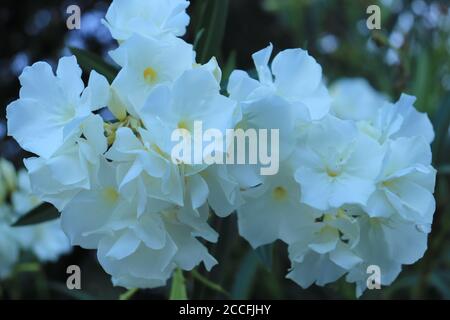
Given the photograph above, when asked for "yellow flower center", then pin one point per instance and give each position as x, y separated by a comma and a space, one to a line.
110, 194
150, 75
279, 193
183, 125
388, 183
332, 173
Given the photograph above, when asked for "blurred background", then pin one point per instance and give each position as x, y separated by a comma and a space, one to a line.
410, 53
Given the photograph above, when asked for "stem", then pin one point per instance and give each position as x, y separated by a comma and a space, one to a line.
436, 245
128, 294
27, 267
178, 289
214, 286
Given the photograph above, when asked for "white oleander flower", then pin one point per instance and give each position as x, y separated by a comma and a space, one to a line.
387, 243
224, 195
325, 251
147, 171
405, 185
51, 109
147, 62
9, 246
154, 18
375, 115
355, 99
46, 240
8, 177
414, 123
337, 165
273, 210
193, 97
128, 240
58, 178
148, 161
271, 112
348, 243
293, 75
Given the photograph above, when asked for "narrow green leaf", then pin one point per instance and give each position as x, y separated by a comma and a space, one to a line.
441, 122
208, 283
178, 289
128, 294
245, 276
90, 61
42, 213
198, 36
265, 255
228, 69
444, 169
213, 22
439, 283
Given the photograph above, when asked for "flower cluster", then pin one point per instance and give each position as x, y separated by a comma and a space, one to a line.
354, 186
46, 241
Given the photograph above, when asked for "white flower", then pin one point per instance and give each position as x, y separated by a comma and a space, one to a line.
406, 182
147, 161
103, 218
58, 178
271, 112
51, 109
154, 18
147, 62
193, 97
146, 170
9, 250
293, 75
46, 240
348, 242
9, 246
337, 165
224, 195
355, 99
389, 244
414, 123
325, 251
8, 177
273, 210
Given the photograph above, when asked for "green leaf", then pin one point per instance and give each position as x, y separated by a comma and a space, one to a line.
90, 61
198, 36
245, 276
228, 69
439, 282
444, 169
441, 122
178, 289
42, 213
127, 295
265, 255
213, 286
213, 19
